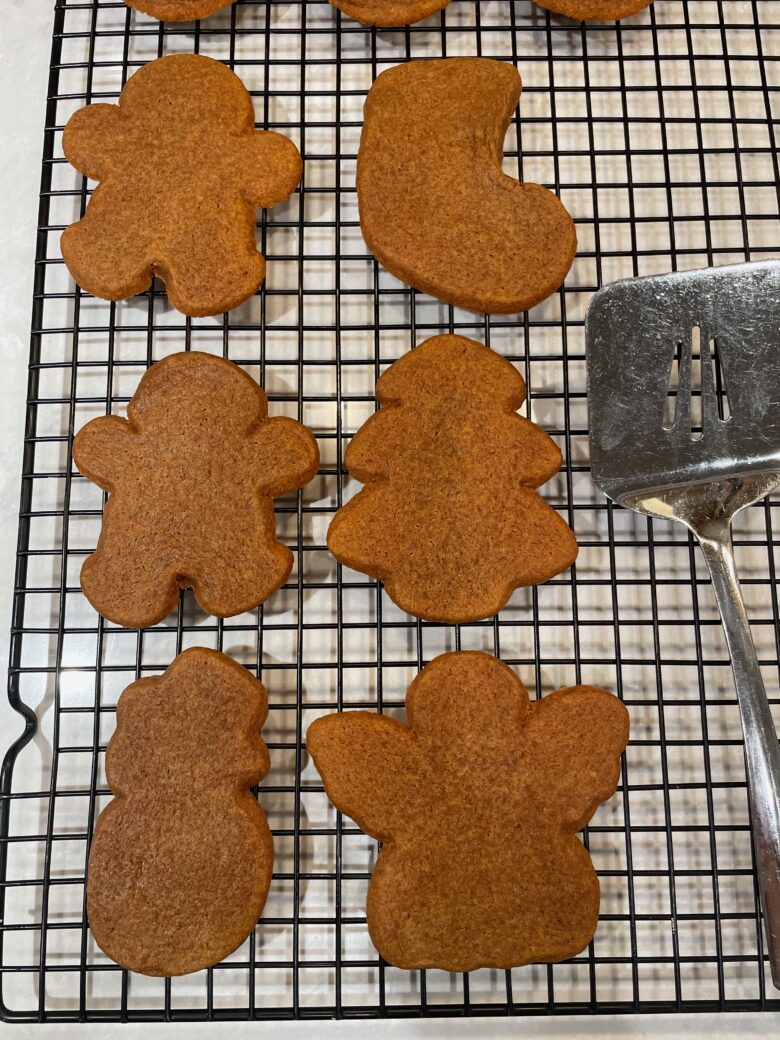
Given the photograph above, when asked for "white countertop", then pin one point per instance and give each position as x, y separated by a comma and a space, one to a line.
24, 55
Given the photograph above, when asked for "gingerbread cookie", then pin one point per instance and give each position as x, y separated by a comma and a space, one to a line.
435, 207
449, 519
595, 10
191, 474
389, 13
178, 10
181, 859
181, 170
477, 804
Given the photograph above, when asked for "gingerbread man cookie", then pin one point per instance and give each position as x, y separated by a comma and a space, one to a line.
191, 474
477, 803
181, 170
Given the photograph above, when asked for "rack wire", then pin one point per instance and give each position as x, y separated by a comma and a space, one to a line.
660, 136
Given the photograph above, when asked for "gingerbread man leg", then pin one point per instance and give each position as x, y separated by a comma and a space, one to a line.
223, 271
242, 571
110, 265
133, 589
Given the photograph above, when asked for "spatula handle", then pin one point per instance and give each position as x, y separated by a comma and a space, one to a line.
762, 752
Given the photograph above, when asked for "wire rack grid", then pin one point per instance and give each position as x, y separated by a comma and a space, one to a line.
659, 134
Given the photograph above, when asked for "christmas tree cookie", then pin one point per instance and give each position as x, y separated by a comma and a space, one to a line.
450, 519
477, 803
181, 859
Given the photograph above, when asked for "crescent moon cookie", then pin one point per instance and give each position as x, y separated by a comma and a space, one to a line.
181, 171
449, 518
191, 475
181, 860
435, 207
477, 803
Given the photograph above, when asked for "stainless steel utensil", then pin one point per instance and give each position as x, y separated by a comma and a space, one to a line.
647, 339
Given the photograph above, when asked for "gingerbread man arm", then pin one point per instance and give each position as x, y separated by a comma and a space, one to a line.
272, 168
572, 746
101, 450
284, 455
370, 767
89, 139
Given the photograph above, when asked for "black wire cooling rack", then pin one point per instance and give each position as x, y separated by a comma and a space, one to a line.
659, 134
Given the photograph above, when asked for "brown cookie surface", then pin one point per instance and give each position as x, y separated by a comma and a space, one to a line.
449, 519
191, 475
389, 13
181, 171
477, 803
435, 207
178, 10
595, 10
181, 860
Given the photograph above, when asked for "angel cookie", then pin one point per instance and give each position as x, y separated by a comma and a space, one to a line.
477, 803
191, 474
181, 171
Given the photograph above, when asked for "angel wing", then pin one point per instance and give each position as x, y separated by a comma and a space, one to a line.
573, 742
369, 766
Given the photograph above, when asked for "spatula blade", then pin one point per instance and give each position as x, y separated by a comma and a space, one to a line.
637, 330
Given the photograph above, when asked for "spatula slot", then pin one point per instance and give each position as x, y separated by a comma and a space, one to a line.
719, 379
670, 405
696, 388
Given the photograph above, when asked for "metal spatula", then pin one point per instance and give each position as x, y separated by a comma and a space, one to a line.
646, 339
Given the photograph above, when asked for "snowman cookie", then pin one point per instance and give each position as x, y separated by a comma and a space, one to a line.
181, 859
191, 475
